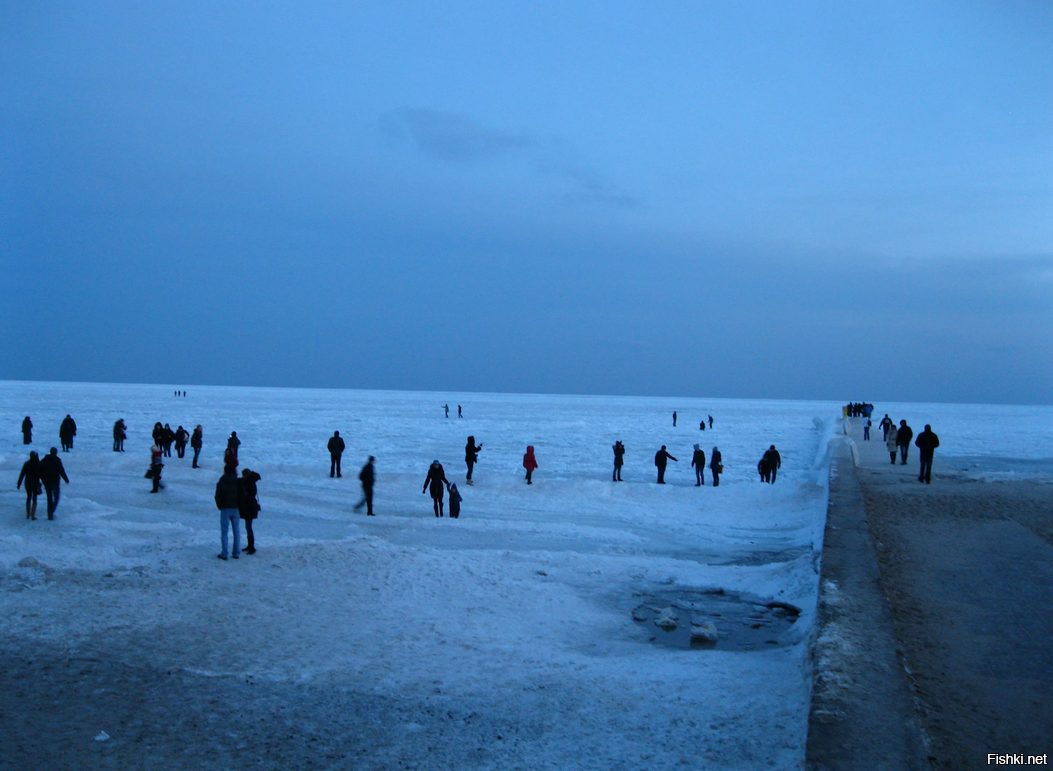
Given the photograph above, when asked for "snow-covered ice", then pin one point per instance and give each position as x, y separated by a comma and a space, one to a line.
522, 609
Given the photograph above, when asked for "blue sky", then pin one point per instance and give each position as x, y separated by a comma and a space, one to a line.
786, 200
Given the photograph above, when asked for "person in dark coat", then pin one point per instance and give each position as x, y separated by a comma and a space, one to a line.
674, 418
230, 494
447, 408
710, 421
702, 425
698, 460
66, 432
31, 475
336, 449
764, 469
27, 431
249, 507
619, 459
230, 455
774, 462
886, 423
51, 471
436, 481
158, 435
181, 436
716, 465
167, 437
927, 442
455, 502
120, 433
660, 459
471, 454
903, 436
156, 466
195, 443
367, 476
459, 413
529, 463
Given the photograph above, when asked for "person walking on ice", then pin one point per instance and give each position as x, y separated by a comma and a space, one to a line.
447, 408
903, 436
435, 482
27, 431
890, 442
230, 494
455, 502
529, 463
471, 455
927, 442
674, 418
67, 431
660, 459
31, 475
366, 476
51, 471
698, 460
716, 466
774, 462
619, 459
336, 449
886, 423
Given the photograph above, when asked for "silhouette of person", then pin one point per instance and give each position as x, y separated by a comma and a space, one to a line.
436, 481
31, 475
459, 411
336, 449
716, 465
529, 463
447, 408
660, 459
27, 431
67, 431
674, 418
367, 477
927, 442
698, 460
51, 471
471, 456
619, 459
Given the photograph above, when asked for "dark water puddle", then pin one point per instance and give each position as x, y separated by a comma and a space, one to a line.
717, 620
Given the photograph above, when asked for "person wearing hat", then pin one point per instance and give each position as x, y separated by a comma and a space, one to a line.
436, 481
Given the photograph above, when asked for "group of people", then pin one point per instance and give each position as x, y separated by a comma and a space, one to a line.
858, 410
662, 458
897, 442
447, 408
164, 437
701, 423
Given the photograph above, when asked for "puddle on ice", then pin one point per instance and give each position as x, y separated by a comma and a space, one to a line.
739, 622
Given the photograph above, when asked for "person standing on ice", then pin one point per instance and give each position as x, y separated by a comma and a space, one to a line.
436, 481
702, 425
27, 431
31, 475
660, 459
698, 460
67, 431
447, 408
890, 442
903, 436
119, 435
195, 442
249, 508
716, 465
471, 454
529, 463
455, 502
711, 421
927, 442
619, 459
181, 436
51, 471
774, 463
366, 476
886, 424
674, 418
336, 449
230, 457
866, 430
158, 434
156, 454
230, 493
168, 438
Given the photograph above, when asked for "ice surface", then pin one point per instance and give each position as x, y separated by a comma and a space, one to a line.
522, 607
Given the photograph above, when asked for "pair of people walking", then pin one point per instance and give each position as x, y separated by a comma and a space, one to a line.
769, 465
37, 472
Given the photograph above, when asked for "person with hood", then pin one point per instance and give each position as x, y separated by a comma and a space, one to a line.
367, 477
336, 449
716, 466
167, 437
660, 459
927, 442
698, 460
156, 465
230, 455
158, 434
230, 494
51, 471
702, 425
195, 443
436, 481
471, 455
619, 459
903, 436
31, 475
455, 502
886, 423
27, 431
181, 436
67, 430
774, 463
529, 463
890, 442
120, 433
459, 413
249, 507
764, 469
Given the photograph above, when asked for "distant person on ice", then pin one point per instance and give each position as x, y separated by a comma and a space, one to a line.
51, 471
619, 459
336, 449
886, 423
890, 442
31, 475
230, 456
674, 418
711, 421
903, 436
927, 442
181, 437
66, 432
195, 443
716, 466
529, 463
698, 460
459, 411
119, 435
447, 408
367, 477
702, 425
249, 508
774, 463
230, 493
471, 453
866, 430
436, 481
168, 437
27, 431
156, 465
660, 459
455, 502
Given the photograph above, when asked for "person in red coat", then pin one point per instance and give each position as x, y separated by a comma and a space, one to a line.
529, 463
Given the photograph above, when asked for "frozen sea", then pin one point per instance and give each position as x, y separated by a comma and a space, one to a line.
522, 611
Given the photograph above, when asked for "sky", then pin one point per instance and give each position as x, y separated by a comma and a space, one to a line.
803, 200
